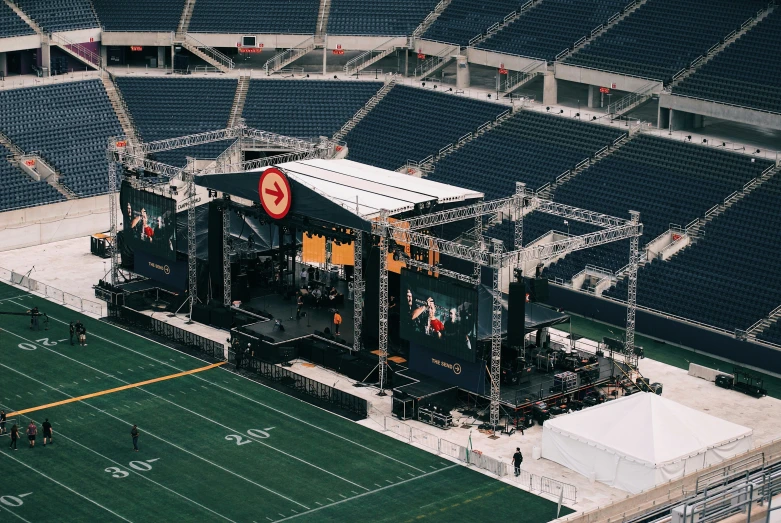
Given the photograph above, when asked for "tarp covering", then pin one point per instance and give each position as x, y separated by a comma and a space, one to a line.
637, 442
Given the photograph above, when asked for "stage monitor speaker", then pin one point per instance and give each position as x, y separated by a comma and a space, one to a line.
201, 314
517, 310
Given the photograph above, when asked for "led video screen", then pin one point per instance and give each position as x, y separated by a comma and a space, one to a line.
148, 221
439, 313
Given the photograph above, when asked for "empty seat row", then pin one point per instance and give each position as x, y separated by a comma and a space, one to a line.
552, 27
462, 20
262, 16
663, 37
745, 73
69, 124
411, 124
530, 147
305, 109
164, 108
378, 17
19, 190
139, 15
60, 15
11, 24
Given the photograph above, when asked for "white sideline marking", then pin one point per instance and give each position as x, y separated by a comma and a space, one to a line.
13, 513
237, 393
64, 486
371, 492
258, 440
163, 440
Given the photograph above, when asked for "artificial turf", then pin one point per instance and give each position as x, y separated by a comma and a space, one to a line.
213, 446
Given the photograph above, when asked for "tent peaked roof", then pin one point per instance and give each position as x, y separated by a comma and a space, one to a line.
648, 429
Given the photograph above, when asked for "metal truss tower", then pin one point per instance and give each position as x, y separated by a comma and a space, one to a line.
226, 255
383, 308
631, 299
113, 210
520, 196
496, 335
358, 288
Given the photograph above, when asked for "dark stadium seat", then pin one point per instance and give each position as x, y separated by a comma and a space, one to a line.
730, 278
664, 36
530, 147
462, 20
745, 73
69, 124
19, 190
139, 15
377, 17
552, 27
11, 24
170, 107
60, 15
667, 182
305, 109
772, 334
263, 16
411, 124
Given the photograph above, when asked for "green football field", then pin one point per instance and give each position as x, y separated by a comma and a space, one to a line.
213, 446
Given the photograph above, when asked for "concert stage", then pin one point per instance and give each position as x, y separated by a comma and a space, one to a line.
320, 318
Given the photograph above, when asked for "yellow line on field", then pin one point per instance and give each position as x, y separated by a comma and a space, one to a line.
117, 389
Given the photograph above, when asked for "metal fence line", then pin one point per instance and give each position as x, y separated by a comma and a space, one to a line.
499, 468
52, 293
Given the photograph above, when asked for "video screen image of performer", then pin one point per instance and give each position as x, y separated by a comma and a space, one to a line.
438, 314
149, 221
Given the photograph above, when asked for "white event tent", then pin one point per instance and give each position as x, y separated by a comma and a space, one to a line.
637, 442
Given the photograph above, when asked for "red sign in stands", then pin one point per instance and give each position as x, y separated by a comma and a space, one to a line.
502, 70
613, 86
136, 48
121, 143
250, 50
604, 90
30, 163
421, 56
338, 49
274, 191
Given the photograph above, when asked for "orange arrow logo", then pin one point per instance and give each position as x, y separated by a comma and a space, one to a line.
276, 193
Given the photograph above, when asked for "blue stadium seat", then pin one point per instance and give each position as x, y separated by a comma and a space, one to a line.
262, 16
69, 124
139, 15
530, 147
169, 107
730, 278
411, 124
11, 24
745, 73
19, 190
60, 15
664, 36
462, 20
552, 27
377, 17
305, 109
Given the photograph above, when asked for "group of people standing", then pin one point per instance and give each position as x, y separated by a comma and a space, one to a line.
32, 432
80, 331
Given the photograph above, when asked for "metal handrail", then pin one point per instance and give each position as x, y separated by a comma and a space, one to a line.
209, 51
274, 62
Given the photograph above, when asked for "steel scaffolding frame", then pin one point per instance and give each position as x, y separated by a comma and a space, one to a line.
133, 157
226, 255
613, 229
358, 288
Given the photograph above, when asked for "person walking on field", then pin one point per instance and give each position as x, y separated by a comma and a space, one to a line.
517, 460
32, 431
2, 422
72, 332
14, 436
134, 435
47, 432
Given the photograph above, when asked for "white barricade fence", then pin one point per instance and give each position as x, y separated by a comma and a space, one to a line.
453, 450
397, 427
52, 293
55, 294
424, 439
488, 463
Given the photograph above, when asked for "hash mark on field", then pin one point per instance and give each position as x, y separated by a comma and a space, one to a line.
281, 514
18, 396
389, 481
131, 370
378, 485
42, 390
291, 510
345, 497
183, 392
85, 379
402, 479
331, 500
139, 404
66, 339
354, 492
66, 419
171, 395
194, 390
268, 518
433, 467
411, 474
317, 502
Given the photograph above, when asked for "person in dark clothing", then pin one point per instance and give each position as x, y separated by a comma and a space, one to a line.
299, 306
72, 332
32, 432
81, 331
34, 314
14, 437
517, 460
47, 432
134, 434
2, 422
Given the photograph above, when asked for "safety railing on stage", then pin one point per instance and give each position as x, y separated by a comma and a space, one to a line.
497, 467
303, 385
52, 293
212, 349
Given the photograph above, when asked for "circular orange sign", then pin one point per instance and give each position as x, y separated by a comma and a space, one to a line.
274, 191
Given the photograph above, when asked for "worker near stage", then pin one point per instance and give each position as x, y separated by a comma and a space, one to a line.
337, 322
2, 422
72, 332
299, 305
34, 313
517, 460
